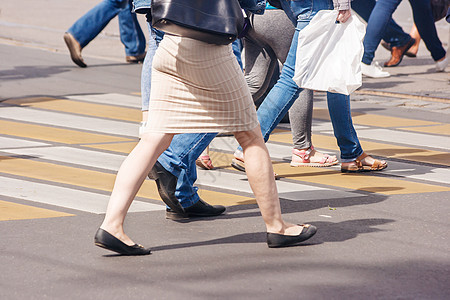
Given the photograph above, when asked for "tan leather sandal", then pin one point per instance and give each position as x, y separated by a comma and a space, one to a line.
359, 167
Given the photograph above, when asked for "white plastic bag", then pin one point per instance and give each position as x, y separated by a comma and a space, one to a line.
329, 54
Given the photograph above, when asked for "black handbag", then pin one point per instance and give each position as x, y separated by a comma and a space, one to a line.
212, 21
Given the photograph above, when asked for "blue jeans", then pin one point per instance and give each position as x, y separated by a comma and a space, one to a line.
423, 18
146, 75
95, 20
285, 91
179, 159
393, 34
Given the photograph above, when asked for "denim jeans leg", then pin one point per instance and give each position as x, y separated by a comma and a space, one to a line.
131, 34
393, 33
281, 96
86, 28
376, 26
237, 47
146, 74
179, 159
341, 118
423, 18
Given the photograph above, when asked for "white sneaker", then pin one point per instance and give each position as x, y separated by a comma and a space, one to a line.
441, 65
373, 70
141, 128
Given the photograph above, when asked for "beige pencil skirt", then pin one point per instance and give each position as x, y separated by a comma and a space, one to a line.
198, 87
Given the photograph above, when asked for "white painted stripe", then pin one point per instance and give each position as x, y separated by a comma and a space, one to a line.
7, 142
65, 197
286, 190
75, 156
318, 126
411, 139
70, 121
110, 99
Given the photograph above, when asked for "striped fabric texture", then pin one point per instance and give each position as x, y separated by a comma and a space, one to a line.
198, 87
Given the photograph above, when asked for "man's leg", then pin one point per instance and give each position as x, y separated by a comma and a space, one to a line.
175, 174
89, 26
131, 35
393, 34
95, 20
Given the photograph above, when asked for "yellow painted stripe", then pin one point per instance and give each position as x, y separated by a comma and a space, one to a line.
361, 182
51, 134
13, 211
386, 150
93, 179
125, 147
438, 129
78, 107
374, 120
331, 177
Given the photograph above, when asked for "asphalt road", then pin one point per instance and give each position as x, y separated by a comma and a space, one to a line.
64, 132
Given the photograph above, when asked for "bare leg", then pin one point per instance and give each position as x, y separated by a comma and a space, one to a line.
129, 179
415, 35
258, 167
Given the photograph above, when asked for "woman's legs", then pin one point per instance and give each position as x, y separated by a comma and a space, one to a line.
258, 167
300, 116
129, 179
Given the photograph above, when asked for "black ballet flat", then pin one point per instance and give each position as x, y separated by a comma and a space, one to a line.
275, 240
106, 240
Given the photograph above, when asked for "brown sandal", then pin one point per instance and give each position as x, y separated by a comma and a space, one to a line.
358, 167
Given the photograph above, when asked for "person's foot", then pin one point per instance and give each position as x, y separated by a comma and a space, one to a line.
442, 64
135, 59
397, 54
276, 240
108, 241
312, 158
74, 49
363, 163
238, 163
201, 209
412, 52
373, 70
166, 183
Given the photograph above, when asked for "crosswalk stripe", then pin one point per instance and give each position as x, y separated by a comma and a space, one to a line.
360, 182
9, 142
65, 197
375, 148
12, 211
93, 179
73, 122
110, 115
109, 99
124, 147
374, 120
78, 107
52, 134
437, 129
333, 177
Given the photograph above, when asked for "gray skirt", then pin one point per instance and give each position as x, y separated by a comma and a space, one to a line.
198, 87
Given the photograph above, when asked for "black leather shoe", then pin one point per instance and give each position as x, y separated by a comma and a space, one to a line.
198, 210
167, 184
106, 240
275, 240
